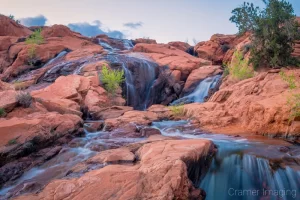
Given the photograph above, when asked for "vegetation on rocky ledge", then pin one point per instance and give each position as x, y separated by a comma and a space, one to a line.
111, 79
274, 32
239, 67
35, 39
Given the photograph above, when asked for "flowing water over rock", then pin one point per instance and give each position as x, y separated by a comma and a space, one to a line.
75, 152
201, 91
244, 169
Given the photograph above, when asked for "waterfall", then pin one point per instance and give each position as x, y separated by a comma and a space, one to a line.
201, 91
246, 177
139, 78
56, 58
107, 47
127, 44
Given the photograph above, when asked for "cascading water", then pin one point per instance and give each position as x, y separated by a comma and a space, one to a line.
241, 168
201, 91
140, 75
56, 58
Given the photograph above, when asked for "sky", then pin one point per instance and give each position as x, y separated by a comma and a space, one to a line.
163, 20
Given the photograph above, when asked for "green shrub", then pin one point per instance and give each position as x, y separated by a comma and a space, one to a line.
178, 110
2, 112
24, 99
274, 31
111, 79
239, 68
35, 38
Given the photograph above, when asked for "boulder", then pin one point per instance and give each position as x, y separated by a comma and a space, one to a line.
132, 117
183, 46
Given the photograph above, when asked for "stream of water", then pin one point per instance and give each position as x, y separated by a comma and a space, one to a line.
200, 92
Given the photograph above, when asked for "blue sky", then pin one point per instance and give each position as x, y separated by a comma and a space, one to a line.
163, 20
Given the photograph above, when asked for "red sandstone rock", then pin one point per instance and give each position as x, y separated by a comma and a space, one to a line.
183, 46
11, 28
161, 162
171, 56
255, 105
218, 46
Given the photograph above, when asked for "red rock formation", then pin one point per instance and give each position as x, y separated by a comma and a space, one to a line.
183, 46
10, 28
15, 60
218, 47
254, 106
174, 58
161, 171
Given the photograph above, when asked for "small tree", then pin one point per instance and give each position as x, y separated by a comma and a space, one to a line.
111, 79
274, 31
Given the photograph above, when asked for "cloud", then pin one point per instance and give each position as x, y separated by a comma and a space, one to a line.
133, 25
93, 29
39, 20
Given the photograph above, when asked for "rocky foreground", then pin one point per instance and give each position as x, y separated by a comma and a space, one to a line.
67, 100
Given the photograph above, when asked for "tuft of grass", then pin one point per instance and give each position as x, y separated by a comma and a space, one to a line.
111, 79
24, 99
290, 79
2, 112
178, 110
239, 68
35, 38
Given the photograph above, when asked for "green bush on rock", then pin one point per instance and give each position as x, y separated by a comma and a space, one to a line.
111, 79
